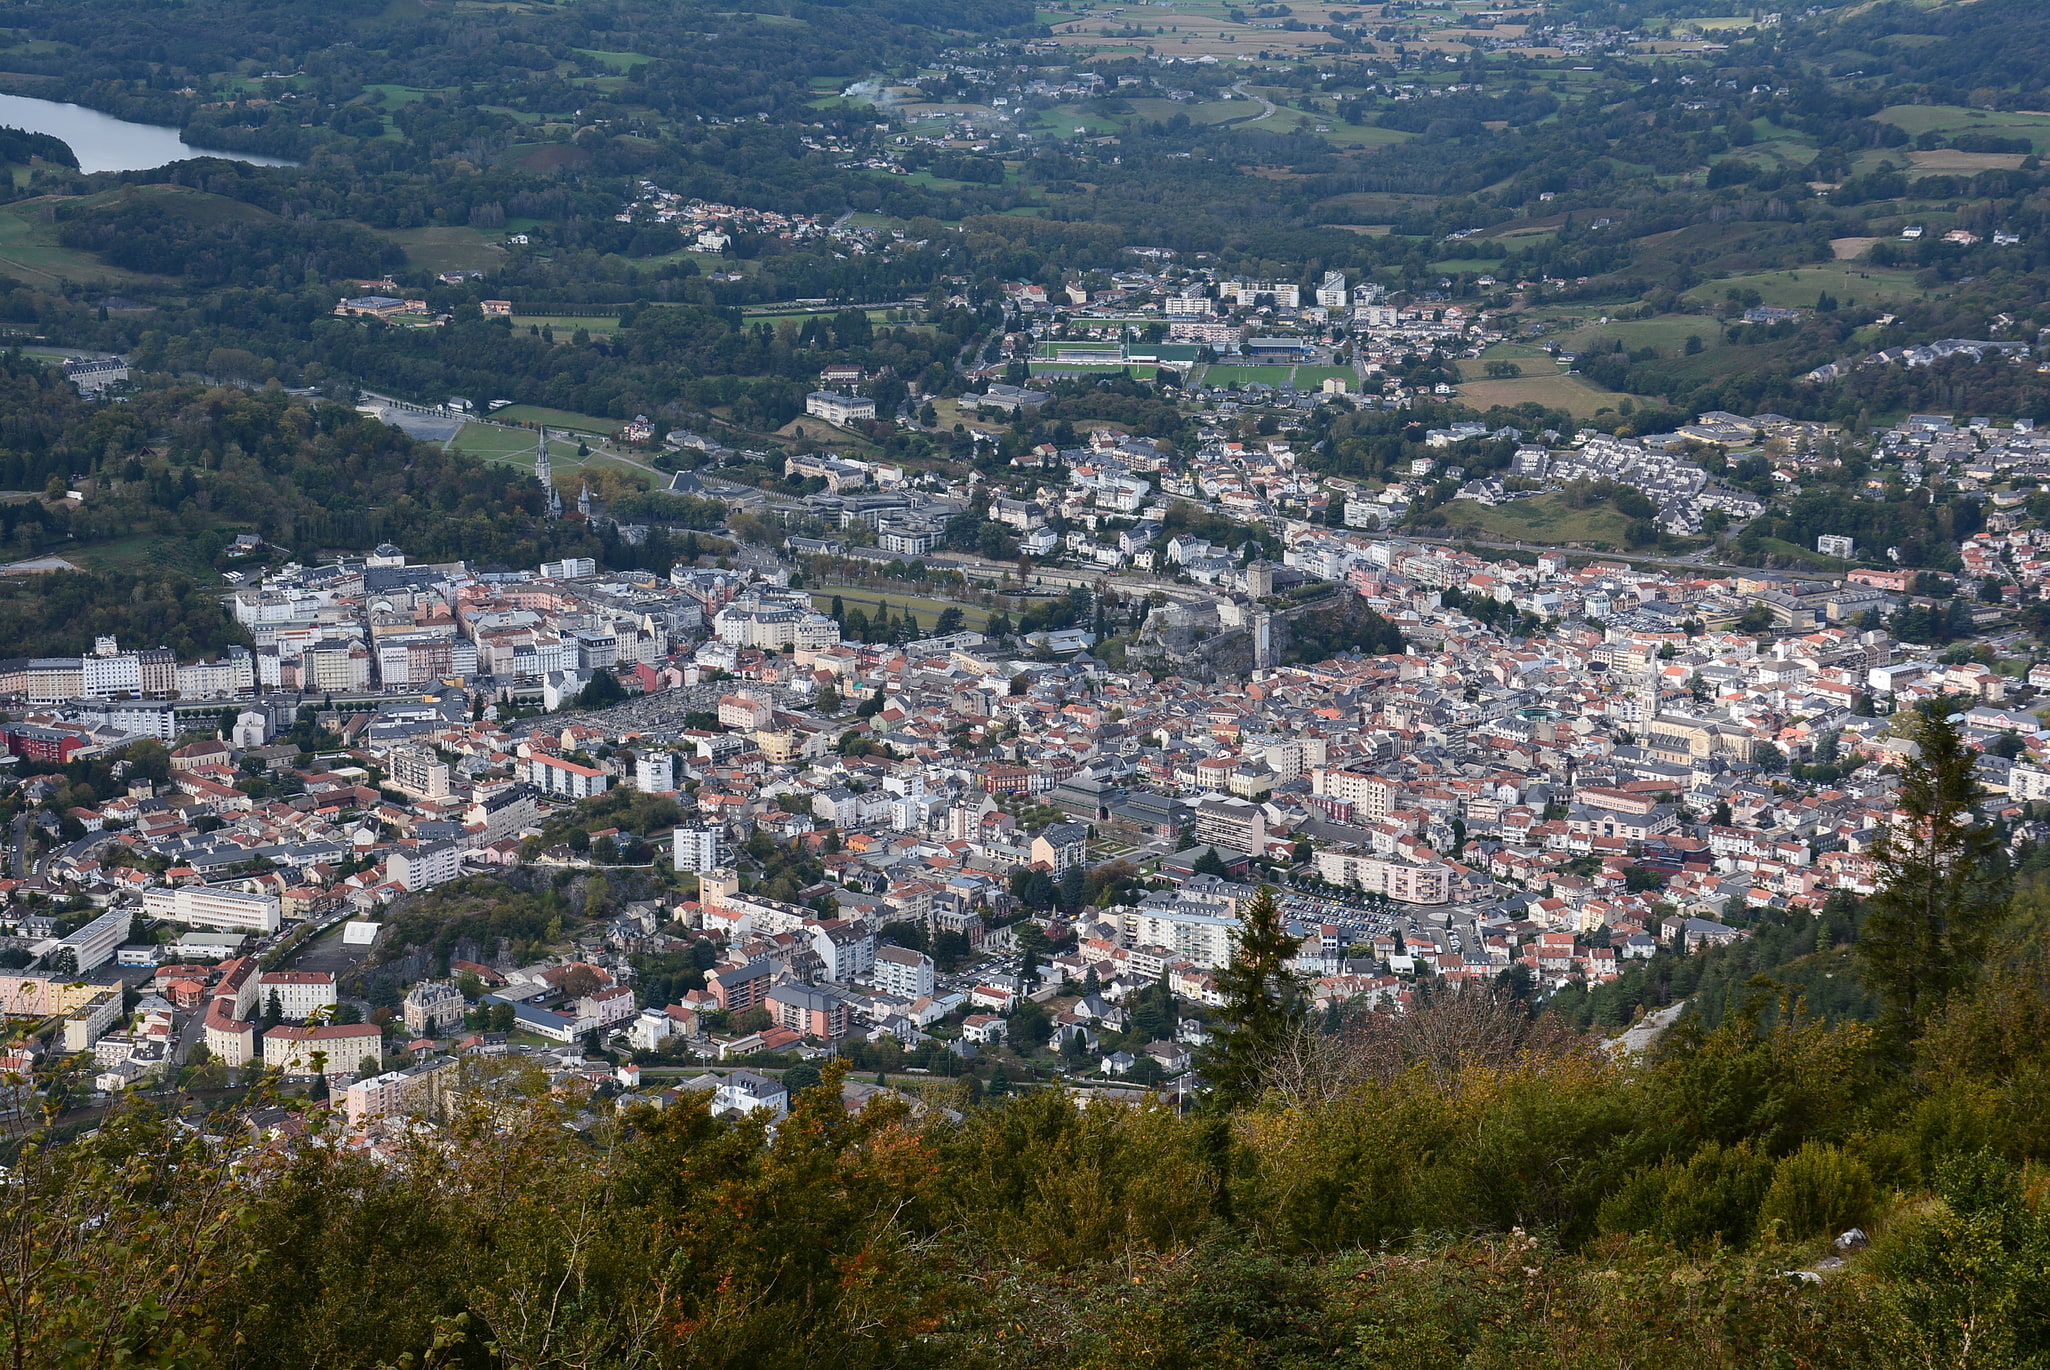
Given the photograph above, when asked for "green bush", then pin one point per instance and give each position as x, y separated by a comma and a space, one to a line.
1818, 1191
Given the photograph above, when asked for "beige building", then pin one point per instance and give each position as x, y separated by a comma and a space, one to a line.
331, 1051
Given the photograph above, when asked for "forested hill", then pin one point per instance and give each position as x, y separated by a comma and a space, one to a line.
188, 468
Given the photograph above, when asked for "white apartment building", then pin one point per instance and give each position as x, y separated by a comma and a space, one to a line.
202, 906
1206, 939
425, 867
836, 408
566, 779
904, 972
416, 1089
695, 849
655, 772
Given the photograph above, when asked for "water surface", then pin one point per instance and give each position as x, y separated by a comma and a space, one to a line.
104, 143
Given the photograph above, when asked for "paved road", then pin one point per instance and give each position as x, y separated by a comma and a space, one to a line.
1266, 105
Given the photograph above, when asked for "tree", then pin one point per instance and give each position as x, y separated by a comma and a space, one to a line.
1210, 863
273, 1010
1930, 922
579, 981
1263, 1005
828, 700
603, 691
949, 621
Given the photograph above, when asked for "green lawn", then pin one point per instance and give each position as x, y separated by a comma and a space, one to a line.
564, 324
1542, 519
449, 248
1667, 332
557, 418
618, 61
924, 608
1222, 375
1916, 119
1802, 286
1558, 391
1472, 266
143, 552
397, 97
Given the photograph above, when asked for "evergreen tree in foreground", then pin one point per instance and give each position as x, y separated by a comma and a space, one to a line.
1263, 1004
1930, 923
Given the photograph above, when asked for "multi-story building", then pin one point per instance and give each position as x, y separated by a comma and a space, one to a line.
837, 408
566, 779
655, 772
845, 946
696, 848
229, 1039
415, 1090
902, 971
93, 945
419, 772
814, 1012
1235, 823
1404, 881
352, 1049
202, 906
433, 1007
423, 868
743, 987
299, 994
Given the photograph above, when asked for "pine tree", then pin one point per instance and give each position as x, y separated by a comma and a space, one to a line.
1263, 1004
1930, 923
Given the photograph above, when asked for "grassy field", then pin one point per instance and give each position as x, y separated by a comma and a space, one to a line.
397, 97
449, 249
565, 324
1576, 396
144, 552
924, 608
1248, 375
29, 250
1918, 119
1667, 332
1542, 519
618, 61
1966, 163
557, 418
1801, 287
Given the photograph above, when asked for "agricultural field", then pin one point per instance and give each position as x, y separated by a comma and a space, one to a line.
1571, 393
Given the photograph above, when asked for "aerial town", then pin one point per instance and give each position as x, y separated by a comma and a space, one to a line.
995, 856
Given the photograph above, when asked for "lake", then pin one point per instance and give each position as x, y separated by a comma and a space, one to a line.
104, 143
